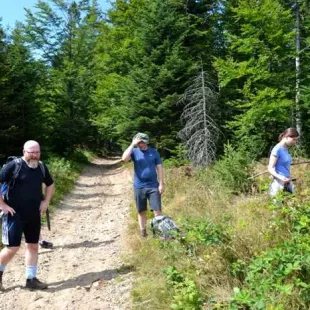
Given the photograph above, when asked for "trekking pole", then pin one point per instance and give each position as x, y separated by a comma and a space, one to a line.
48, 221
264, 172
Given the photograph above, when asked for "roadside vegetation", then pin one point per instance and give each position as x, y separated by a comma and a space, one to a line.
237, 249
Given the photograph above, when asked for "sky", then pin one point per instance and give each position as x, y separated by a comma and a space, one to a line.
13, 10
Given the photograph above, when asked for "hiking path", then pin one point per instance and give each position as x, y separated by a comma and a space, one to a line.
85, 269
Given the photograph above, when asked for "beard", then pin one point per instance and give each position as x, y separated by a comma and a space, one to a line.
32, 163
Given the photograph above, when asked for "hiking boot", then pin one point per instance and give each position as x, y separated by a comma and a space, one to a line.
143, 233
46, 245
1, 285
35, 284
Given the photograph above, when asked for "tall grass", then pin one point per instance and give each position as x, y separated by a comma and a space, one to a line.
229, 236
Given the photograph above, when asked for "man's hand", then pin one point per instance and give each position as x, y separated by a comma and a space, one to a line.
43, 206
135, 141
161, 188
285, 180
7, 209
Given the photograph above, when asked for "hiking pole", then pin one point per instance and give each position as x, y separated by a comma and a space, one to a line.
48, 221
1, 214
264, 172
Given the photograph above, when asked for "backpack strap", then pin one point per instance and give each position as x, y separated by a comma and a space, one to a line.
42, 168
18, 165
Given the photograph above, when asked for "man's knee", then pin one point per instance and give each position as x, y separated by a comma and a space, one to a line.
32, 247
10, 249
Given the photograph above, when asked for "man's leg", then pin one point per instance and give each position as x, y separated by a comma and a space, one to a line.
142, 223
5, 256
11, 238
141, 204
31, 257
155, 200
32, 233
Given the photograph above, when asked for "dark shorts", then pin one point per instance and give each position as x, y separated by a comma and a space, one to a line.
13, 227
142, 195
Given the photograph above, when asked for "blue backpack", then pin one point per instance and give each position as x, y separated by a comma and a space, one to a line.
6, 186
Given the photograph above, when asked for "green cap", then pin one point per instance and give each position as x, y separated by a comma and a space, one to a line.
143, 137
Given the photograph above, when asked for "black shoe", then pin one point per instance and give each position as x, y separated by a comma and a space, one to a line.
1, 285
35, 284
45, 244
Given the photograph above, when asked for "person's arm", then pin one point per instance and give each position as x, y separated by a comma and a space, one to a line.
48, 194
4, 207
5, 175
160, 174
271, 169
127, 154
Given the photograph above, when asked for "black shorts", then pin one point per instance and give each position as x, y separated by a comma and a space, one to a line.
13, 228
142, 195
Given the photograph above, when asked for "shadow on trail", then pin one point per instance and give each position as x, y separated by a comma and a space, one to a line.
87, 279
107, 166
82, 185
86, 195
12, 288
77, 208
83, 244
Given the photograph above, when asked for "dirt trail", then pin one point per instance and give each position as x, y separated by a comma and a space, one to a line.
84, 270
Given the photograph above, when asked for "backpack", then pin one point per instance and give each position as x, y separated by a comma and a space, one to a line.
164, 226
6, 186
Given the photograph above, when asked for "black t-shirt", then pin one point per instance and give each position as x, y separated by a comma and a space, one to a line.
26, 195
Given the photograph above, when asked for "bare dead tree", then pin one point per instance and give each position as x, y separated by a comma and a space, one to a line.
200, 132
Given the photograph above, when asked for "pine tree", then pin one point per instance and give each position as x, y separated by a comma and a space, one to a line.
66, 39
257, 74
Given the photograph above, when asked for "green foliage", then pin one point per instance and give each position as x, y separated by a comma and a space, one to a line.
65, 35
153, 63
276, 277
186, 295
237, 252
233, 169
177, 158
257, 70
272, 278
197, 233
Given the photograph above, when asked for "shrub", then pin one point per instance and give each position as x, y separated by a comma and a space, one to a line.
233, 170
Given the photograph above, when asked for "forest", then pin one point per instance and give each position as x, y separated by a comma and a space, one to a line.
211, 71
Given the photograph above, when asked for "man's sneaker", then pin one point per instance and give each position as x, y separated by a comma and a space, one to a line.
45, 244
143, 233
1, 285
35, 284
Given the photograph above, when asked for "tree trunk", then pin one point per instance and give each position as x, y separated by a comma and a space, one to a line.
297, 61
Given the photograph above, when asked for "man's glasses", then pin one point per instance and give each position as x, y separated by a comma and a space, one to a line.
33, 153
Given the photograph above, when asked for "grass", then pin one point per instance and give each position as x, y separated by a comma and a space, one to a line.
225, 236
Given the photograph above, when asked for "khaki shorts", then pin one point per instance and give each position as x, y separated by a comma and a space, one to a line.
277, 185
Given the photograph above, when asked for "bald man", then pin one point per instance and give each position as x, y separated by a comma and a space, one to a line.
23, 207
